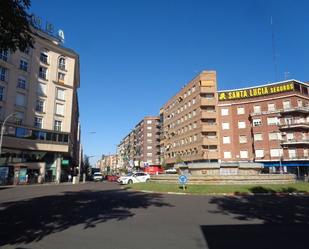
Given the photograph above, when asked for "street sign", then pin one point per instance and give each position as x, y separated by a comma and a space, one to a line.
65, 162
182, 179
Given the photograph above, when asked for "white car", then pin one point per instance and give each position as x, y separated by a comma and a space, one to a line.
97, 176
171, 171
134, 178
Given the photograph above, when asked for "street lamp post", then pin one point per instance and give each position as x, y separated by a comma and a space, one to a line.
2, 128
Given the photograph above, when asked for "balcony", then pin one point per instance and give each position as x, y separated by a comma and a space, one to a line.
299, 109
252, 114
208, 102
210, 154
295, 141
210, 141
208, 114
209, 127
294, 124
208, 89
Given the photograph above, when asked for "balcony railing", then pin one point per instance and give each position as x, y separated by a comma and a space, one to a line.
294, 124
295, 141
302, 109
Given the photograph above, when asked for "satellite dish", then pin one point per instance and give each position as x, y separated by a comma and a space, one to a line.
61, 35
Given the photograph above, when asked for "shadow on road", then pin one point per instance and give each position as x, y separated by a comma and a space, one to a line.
285, 221
33, 219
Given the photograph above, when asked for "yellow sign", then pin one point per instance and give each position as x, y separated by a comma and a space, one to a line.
256, 92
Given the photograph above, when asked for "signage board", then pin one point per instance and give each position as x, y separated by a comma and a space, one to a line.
65, 162
255, 92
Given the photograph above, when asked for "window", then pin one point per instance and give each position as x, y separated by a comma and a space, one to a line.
23, 65
286, 104
149, 154
20, 99
194, 113
257, 109
3, 73
149, 122
241, 124
193, 101
242, 139
276, 152
149, 140
19, 117
306, 153
38, 122
149, 134
226, 140
227, 154
224, 112
41, 89
257, 122
271, 107
4, 55
240, 110
272, 121
225, 126
149, 128
259, 153
44, 57
258, 137
39, 107
61, 77
150, 147
57, 125
274, 136
59, 109
21, 83
299, 103
60, 93
290, 136
61, 63
1, 93
194, 138
292, 153
43, 73
243, 154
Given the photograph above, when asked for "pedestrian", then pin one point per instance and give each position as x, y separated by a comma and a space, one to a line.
69, 178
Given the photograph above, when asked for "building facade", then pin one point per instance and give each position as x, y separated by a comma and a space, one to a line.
108, 163
190, 122
141, 147
38, 95
268, 124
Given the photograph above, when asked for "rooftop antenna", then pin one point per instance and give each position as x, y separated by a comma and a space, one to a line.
274, 48
287, 75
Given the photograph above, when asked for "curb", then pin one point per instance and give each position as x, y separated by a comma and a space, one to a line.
221, 194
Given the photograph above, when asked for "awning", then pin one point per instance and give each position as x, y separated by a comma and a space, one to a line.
286, 164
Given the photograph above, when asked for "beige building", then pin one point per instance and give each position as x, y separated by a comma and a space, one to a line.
190, 130
108, 163
40, 87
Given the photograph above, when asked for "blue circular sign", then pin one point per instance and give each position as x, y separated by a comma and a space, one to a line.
182, 179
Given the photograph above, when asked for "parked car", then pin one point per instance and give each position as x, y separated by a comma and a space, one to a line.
97, 176
112, 178
134, 178
171, 171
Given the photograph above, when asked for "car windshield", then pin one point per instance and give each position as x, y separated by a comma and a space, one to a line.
97, 173
129, 174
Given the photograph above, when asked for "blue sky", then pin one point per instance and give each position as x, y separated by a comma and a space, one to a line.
136, 54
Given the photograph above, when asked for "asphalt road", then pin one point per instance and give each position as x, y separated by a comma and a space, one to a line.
102, 215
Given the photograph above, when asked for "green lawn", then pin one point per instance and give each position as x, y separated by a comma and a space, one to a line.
219, 189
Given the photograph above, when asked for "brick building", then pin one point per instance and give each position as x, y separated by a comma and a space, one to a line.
268, 124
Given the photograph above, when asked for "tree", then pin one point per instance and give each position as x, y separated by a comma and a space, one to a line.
15, 25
